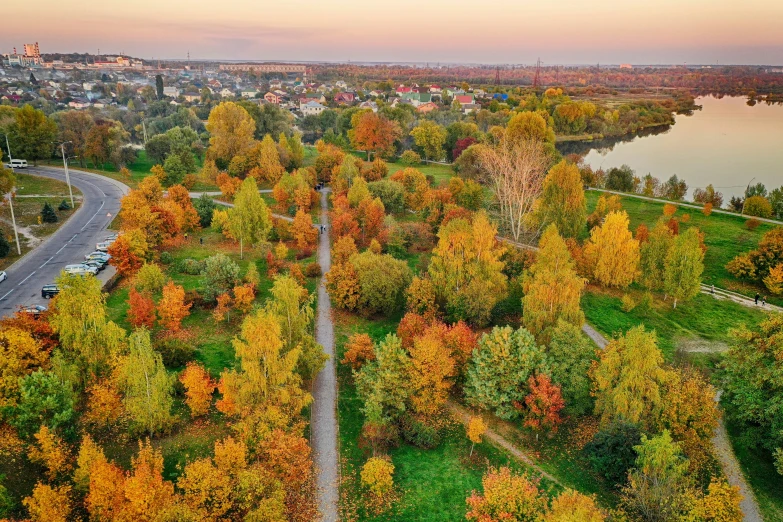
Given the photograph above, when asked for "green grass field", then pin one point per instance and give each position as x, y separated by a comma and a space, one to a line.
725, 237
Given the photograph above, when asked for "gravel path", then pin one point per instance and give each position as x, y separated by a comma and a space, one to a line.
723, 450
324, 414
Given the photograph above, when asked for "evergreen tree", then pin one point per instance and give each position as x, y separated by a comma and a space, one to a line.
159, 86
5, 246
48, 214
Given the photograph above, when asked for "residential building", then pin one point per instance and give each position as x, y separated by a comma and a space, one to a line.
250, 93
369, 105
274, 98
171, 91
426, 107
225, 92
340, 84
344, 98
192, 97
464, 99
311, 108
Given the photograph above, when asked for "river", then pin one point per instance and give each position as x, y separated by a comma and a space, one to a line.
727, 143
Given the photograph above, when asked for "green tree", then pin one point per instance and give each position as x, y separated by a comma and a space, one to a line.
659, 488
175, 170
569, 357
382, 282
249, 220
32, 134
499, 370
683, 266
48, 215
653, 255
205, 206
552, 287
146, 385
430, 137
562, 201
221, 274
381, 383
159, 86
628, 379
44, 400
611, 451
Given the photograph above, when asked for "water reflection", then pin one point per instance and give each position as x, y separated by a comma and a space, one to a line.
605, 145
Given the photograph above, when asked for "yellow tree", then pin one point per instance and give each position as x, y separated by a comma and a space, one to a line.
466, 269
378, 475
372, 132
249, 221
562, 201
20, 355
430, 137
476, 429
172, 308
90, 454
572, 506
506, 496
612, 251
231, 131
199, 388
552, 287
628, 379
720, 504
50, 452
431, 374
49, 504
147, 495
304, 231
683, 266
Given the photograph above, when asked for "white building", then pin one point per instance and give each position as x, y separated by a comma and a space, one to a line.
171, 91
311, 108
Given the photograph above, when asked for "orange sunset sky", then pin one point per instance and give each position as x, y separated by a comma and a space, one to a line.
499, 31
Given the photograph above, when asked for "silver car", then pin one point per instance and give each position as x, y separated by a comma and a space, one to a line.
3, 276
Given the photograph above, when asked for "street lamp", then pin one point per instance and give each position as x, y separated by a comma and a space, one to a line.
11, 201
65, 166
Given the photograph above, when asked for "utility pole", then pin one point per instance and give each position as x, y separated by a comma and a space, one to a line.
67, 176
11, 202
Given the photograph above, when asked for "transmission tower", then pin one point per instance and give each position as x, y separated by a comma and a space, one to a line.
537, 77
497, 75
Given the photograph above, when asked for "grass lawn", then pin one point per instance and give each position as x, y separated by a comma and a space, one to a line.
757, 465
700, 325
724, 235
28, 209
430, 485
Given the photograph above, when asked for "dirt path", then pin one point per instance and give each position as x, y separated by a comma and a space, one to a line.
27, 232
324, 414
723, 450
463, 415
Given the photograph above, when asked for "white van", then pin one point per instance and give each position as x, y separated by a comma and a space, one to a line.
17, 164
80, 269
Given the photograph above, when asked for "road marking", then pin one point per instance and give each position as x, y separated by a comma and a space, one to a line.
6, 294
93, 216
26, 278
44, 263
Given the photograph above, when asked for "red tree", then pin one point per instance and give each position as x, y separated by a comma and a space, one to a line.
141, 311
461, 145
544, 403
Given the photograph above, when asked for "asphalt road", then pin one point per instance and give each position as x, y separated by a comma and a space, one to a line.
72, 241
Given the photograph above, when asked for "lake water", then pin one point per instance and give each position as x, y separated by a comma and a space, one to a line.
726, 143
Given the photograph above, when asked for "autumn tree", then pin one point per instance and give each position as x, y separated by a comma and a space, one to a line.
552, 287
49, 504
231, 131
382, 281
342, 283
720, 504
125, 255
146, 385
683, 266
104, 412
466, 269
304, 232
515, 172
430, 137
506, 496
50, 452
172, 308
499, 370
141, 309
373, 133
420, 297
543, 403
150, 278
199, 387
249, 220
146, 493
628, 379
562, 201
415, 185
20, 355
659, 488
572, 506
358, 351
475, 431
377, 475
432, 369
613, 252
653, 255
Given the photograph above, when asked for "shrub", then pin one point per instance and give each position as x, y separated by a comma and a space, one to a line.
378, 475
166, 258
176, 350
707, 210
313, 270
669, 209
628, 304
611, 452
752, 224
758, 206
149, 278
191, 266
409, 158
5, 246
64, 205
420, 434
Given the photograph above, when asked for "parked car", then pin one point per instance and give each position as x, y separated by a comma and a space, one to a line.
98, 265
3, 276
103, 246
16, 164
49, 291
35, 309
80, 269
112, 238
94, 256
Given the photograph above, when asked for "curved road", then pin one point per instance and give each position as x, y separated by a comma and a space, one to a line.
69, 244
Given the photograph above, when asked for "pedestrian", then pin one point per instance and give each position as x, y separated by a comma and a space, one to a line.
757, 299
764, 301
186, 237
201, 241
713, 289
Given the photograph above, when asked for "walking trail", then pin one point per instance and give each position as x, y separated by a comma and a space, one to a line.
723, 449
324, 414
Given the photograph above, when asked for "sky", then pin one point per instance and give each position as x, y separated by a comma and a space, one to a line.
428, 31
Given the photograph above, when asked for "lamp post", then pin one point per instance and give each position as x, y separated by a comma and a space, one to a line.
65, 166
11, 202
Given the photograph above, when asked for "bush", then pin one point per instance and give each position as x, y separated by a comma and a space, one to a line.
221, 274
5, 246
628, 304
47, 214
410, 158
149, 278
313, 270
420, 434
64, 205
752, 224
382, 282
166, 258
391, 194
190, 266
175, 351
611, 451
758, 206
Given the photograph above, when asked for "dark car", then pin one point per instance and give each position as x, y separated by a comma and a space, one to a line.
49, 291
